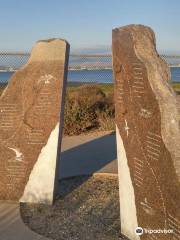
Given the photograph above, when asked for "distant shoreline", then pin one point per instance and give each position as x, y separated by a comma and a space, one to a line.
91, 76
79, 69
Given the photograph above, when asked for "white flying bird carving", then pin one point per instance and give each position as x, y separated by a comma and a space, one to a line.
148, 209
46, 78
19, 155
126, 128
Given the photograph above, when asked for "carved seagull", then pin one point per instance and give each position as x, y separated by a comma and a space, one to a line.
126, 128
19, 155
46, 79
148, 209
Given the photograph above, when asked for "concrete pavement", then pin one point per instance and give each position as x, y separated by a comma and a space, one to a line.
88, 154
11, 225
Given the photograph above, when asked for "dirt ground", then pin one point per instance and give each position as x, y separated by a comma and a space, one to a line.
87, 208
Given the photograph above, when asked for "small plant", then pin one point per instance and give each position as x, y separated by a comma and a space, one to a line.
106, 123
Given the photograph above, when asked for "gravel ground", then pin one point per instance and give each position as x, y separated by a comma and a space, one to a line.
87, 208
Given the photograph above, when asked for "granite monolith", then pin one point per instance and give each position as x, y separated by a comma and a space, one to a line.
148, 137
31, 119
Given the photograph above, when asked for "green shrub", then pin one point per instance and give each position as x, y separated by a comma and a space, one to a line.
86, 108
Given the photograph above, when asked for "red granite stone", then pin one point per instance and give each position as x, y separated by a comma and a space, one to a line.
30, 108
147, 119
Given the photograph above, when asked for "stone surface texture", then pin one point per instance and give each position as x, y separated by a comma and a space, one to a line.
148, 135
31, 117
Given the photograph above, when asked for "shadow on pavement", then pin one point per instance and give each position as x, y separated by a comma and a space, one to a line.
77, 164
97, 155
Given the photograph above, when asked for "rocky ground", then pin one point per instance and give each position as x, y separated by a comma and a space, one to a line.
87, 208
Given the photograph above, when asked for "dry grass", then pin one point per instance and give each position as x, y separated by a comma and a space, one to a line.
88, 108
2, 87
176, 87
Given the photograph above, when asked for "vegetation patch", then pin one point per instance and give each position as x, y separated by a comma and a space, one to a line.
89, 107
176, 87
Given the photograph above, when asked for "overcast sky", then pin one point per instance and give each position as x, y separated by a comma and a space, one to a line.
85, 23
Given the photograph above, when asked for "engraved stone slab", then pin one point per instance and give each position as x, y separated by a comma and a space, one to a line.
31, 118
148, 136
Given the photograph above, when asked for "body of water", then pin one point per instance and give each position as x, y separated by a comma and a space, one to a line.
98, 76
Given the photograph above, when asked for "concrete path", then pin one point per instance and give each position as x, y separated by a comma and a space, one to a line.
88, 154
11, 225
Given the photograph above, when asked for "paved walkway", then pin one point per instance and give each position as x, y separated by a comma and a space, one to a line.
88, 154
11, 225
